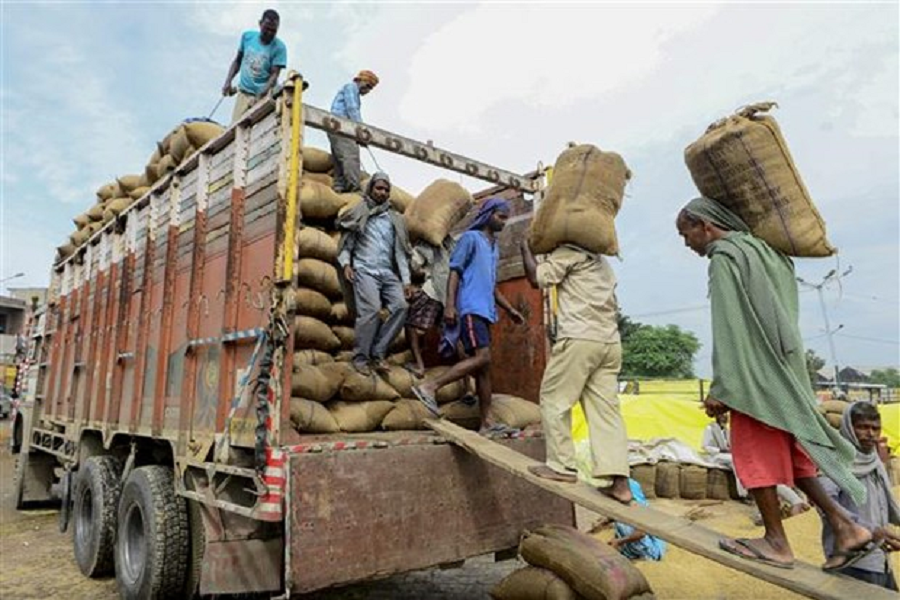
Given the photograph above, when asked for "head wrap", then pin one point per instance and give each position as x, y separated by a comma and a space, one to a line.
711, 211
379, 176
367, 77
488, 208
869, 464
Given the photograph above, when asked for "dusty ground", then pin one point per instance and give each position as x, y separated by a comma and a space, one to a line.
30, 543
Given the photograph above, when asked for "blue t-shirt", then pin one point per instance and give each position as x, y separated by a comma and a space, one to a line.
258, 61
346, 102
475, 259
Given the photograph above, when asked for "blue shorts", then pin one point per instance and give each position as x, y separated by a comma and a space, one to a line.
475, 333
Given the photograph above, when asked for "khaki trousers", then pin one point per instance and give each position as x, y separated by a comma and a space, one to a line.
584, 371
242, 103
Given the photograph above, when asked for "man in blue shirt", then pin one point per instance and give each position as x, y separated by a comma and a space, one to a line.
260, 58
632, 542
345, 151
472, 299
373, 254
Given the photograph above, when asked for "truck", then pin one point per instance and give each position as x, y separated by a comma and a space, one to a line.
157, 408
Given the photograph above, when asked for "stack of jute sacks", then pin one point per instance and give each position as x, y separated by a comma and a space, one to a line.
833, 411
328, 394
580, 204
667, 479
566, 564
117, 195
743, 162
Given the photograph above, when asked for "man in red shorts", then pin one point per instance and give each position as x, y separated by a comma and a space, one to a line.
759, 375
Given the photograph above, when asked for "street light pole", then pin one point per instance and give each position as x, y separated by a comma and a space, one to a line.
17, 275
829, 333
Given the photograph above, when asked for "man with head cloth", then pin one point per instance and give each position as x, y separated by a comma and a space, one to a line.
347, 103
373, 253
471, 309
759, 375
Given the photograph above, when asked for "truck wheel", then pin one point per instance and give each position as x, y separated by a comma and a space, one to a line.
94, 514
153, 543
198, 547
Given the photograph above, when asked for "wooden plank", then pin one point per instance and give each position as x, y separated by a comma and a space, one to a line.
803, 579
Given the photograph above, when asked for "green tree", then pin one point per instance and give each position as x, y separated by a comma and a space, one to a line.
814, 362
651, 351
889, 377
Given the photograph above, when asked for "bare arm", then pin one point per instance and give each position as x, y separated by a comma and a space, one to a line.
452, 289
529, 263
227, 90
505, 305
273, 79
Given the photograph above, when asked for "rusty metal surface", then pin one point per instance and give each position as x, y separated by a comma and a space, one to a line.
239, 566
372, 513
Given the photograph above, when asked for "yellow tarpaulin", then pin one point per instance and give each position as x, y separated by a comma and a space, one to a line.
672, 409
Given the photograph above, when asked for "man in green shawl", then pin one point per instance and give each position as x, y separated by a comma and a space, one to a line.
759, 375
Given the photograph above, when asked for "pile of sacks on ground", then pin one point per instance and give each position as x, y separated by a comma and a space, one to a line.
668, 479
117, 195
565, 564
328, 394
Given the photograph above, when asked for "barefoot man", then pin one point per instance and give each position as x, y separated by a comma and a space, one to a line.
759, 375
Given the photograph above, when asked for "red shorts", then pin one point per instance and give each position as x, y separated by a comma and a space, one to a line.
765, 456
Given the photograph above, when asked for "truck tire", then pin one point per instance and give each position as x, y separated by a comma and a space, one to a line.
94, 514
198, 547
153, 543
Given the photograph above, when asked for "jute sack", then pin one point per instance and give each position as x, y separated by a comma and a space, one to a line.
532, 583
359, 417
311, 417
311, 357
314, 383
65, 251
314, 334
834, 406
158, 153
318, 275
318, 201
359, 388
407, 414
834, 419
402, 380
339, 314
336, 371
693, 482
151, 174
95, 212
316, 160
165, 166
646, 476
515, 412
179, 144
201, 132
582, 201
117, 205
345, 356
309, 303
717, 484
139, 192
81, 220
400, 358
668, 479
346, 334
109, 191
743, 162
590, 567
464, 414
79, 237
128, 183
451, 391
323, 178
436, 210
315, 243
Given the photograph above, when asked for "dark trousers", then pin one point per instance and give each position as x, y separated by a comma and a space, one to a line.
885, 580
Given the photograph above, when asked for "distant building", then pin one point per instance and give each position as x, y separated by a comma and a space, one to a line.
851, 375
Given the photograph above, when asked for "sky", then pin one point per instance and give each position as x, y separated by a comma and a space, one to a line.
88, 88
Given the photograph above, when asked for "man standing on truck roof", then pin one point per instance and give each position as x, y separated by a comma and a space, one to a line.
347, 103
260, 58
373, 254
759, 374
861, 425
471, 309
584, 367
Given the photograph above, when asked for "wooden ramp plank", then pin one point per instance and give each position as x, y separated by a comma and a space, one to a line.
803, 579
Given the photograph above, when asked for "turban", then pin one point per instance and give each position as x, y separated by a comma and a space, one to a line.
488, 208
367, 77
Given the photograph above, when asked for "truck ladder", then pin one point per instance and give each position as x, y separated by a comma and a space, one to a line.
803, 579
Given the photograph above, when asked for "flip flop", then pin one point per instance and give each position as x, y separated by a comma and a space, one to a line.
428, 400
852, 556
756, 555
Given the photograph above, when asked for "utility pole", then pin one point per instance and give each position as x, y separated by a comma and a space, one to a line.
829, 332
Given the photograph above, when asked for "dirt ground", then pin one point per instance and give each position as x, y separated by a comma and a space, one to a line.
30, 542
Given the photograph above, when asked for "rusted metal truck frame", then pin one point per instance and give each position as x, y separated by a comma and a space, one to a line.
162, 385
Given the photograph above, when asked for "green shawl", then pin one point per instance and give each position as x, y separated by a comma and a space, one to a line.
759, 363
